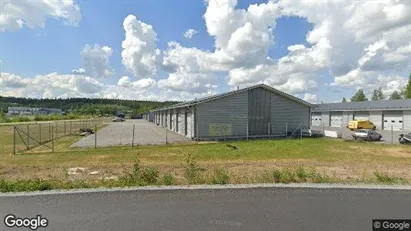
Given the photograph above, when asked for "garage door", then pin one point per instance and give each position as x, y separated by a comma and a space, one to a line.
394, 119
336, 119
316, 119
361, 116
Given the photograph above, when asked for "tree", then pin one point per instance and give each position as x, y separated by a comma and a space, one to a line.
359, 96
395, 95
344, 100
377, 95
407, 90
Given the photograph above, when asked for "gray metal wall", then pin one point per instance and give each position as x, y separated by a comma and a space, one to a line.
325, 118
287, 111
407, 121
376, 118
229, 110
259, 111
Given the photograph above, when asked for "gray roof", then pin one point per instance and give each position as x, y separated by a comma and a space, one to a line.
400, 104
213, 97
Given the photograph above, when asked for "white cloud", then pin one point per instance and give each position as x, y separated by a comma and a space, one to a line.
125, 81
96, 61
139, 48
188, 82
312, 98
14, 14
190, 33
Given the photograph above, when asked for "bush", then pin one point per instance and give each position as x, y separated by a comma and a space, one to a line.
298, 175
149, 175
168, 179
24, 185
220, 176
192, 170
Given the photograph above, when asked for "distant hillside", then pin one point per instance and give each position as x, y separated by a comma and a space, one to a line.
84, 106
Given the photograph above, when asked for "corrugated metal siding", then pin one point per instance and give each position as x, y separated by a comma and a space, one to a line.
376, 118
232, 109
407, 121
286, 111
259, 111
325, 118
345, 119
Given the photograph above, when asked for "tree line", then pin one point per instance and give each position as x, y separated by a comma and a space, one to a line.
378, 94
84, 106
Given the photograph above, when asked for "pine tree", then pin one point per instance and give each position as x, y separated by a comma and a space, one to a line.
344, 100
395, 95
407, 90
359, 96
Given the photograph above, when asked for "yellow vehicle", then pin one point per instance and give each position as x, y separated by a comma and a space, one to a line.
360, 124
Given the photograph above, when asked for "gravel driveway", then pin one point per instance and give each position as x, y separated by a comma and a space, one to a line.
386, 135
121, 133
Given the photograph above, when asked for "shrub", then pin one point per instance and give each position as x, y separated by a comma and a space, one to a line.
220, 176
168, 179
149, 175
192, 170
136, 169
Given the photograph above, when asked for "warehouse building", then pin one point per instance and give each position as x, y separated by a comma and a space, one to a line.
256, 111
385, 114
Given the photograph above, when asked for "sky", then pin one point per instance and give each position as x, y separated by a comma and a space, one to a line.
162, 50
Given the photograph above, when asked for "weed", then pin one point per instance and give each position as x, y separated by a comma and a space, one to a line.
220, 176
168, 179
192, 170
386, 179
149, 175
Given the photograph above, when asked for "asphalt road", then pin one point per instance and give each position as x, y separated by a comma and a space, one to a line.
121, 133
213, 209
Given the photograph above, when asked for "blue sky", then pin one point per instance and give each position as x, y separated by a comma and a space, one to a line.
30, 52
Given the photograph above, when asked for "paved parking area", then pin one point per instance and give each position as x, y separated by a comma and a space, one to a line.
121, 133
387, 136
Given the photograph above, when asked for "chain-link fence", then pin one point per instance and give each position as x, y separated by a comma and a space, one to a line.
28, 136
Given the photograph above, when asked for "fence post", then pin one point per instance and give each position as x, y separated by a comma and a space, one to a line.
247, 130
392, 134
28, 136
40, 133
50, 132
95, 136
286, 129
269, 130
52, 139
198, 134
132, 142
166, 136
301, 130
14, 139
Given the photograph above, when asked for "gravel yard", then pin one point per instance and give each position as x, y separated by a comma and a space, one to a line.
386, 135
121, 133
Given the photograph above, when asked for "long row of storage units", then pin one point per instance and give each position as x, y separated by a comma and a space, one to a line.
385, 114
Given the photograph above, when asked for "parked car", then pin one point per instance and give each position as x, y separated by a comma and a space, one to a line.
305, 132
360, 124
405, 139
118, 119
367, 134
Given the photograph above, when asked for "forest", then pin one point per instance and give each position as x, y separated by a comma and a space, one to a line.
84, 106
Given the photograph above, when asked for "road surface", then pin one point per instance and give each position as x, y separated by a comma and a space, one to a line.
213, 209
121, 133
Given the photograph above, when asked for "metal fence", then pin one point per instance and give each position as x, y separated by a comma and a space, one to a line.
29, 136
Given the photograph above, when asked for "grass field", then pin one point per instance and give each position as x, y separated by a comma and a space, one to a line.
338, 160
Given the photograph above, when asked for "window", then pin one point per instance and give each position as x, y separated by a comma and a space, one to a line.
400, 121
392, 121
385, 121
